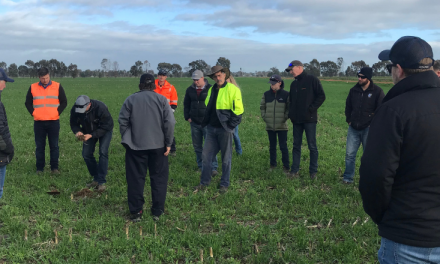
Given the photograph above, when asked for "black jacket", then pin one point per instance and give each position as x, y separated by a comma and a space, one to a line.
194, 106
361, 105
400, 168
306, 96
62, 98
97, 121
6, 147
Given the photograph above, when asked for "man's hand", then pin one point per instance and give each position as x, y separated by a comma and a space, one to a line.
168, 151
87, 137
189, 120
349, 124
79, 134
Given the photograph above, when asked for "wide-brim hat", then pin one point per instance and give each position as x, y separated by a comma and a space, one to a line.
218, 68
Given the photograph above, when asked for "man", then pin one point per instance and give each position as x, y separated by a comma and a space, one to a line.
306, 96
400, 168
6, 147
274, 108
437, 67
166, 89
147, 125
194, 112
91, 122
362, 102
224, 108
45, 101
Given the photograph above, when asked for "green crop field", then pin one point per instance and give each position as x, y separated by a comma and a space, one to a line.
263, 218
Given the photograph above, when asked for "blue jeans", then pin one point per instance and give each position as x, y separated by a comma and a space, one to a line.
391, 252
2, 179
98, 171
198, 133
237, 142
310, 129
51, 130
354, 140
217, 139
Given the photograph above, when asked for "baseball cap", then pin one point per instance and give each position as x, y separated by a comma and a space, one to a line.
293, 64
4, 76
275, 79
81, 104
162, 72
408, 51
197, 74
146, 78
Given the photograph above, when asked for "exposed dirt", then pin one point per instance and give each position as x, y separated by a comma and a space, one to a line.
86, 192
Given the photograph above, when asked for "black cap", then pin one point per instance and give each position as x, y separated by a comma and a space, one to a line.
146, 78
408, 51
367, 72
275, 79
293, 64
162, 72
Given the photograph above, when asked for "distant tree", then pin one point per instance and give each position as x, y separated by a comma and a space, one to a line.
147, 65
313, 68
30, 65
23, 71
62, 71
349, 72
198, 65
176, 70
133, 70
225, 63
328, 68
13, 70
44, 63
105, 65
4, 66
168, 67
356, 66
73, 70
115, 69
54, 66
272, 71
380, 68
340, 63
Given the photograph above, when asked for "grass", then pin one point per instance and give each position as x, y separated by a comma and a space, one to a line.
263, 218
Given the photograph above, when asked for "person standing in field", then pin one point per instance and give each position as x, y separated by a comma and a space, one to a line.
6, 147
436, 67
274, 108
194, 112
400, 168
146, 123
237, 141
166, 89
362, 102
306, 96
224, 109
45, 101
91, 122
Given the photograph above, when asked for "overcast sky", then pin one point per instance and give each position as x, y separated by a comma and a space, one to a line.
253, 35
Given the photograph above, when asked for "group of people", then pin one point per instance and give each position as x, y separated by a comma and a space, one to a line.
399, 173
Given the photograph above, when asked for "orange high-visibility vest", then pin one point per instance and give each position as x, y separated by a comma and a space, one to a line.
46, 101
168, 91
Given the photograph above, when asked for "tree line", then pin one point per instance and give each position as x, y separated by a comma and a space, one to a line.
111, 69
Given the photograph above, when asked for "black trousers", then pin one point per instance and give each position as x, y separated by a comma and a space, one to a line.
282, 139
137, 163
47, 129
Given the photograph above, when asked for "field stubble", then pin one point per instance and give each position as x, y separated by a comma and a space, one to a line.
263, 218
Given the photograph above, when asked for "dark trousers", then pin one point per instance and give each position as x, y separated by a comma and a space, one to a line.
137, 162
217, 139
310, 129
173, 145
97, 170
51, 130
282, 139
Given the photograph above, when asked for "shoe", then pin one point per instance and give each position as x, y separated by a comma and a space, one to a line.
313, 176
214, 173
200, 187
136, 217
40, 172
272, 168
101, 187
346, 182
223, 189
55, 171
285, 170
293, 175
93, 184
173, 153
155, 218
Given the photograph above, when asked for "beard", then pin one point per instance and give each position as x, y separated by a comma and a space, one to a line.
363, 82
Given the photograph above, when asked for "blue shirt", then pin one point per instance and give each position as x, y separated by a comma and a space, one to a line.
45, 86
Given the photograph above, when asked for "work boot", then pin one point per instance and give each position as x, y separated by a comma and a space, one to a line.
272, 168
292, 175
214, 173
200, 187
223, 189
40, 172
285, 170
136, 217
101, 187
55, 171
93, 185
313, 176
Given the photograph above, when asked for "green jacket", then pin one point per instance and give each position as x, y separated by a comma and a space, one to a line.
275, 109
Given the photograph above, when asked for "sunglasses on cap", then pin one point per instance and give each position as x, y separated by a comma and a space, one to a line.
81, 106
274, 80
389, 67
362, 76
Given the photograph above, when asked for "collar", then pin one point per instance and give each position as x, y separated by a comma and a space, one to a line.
216, 86
299, 77
45, 86
418, 81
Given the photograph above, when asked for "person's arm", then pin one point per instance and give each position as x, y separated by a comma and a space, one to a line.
237, 109
168, 123
124, 117
5, 143
380, 162
287, 108
187, 105
173, 98
348, 108
74, 126
105, 123
63, 100
319, 95
29, 102
379, 99
263, 107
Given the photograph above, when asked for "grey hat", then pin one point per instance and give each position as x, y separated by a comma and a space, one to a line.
197, 74
293, 64
81, 104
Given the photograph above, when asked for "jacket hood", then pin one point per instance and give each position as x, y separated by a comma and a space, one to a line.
419, 81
